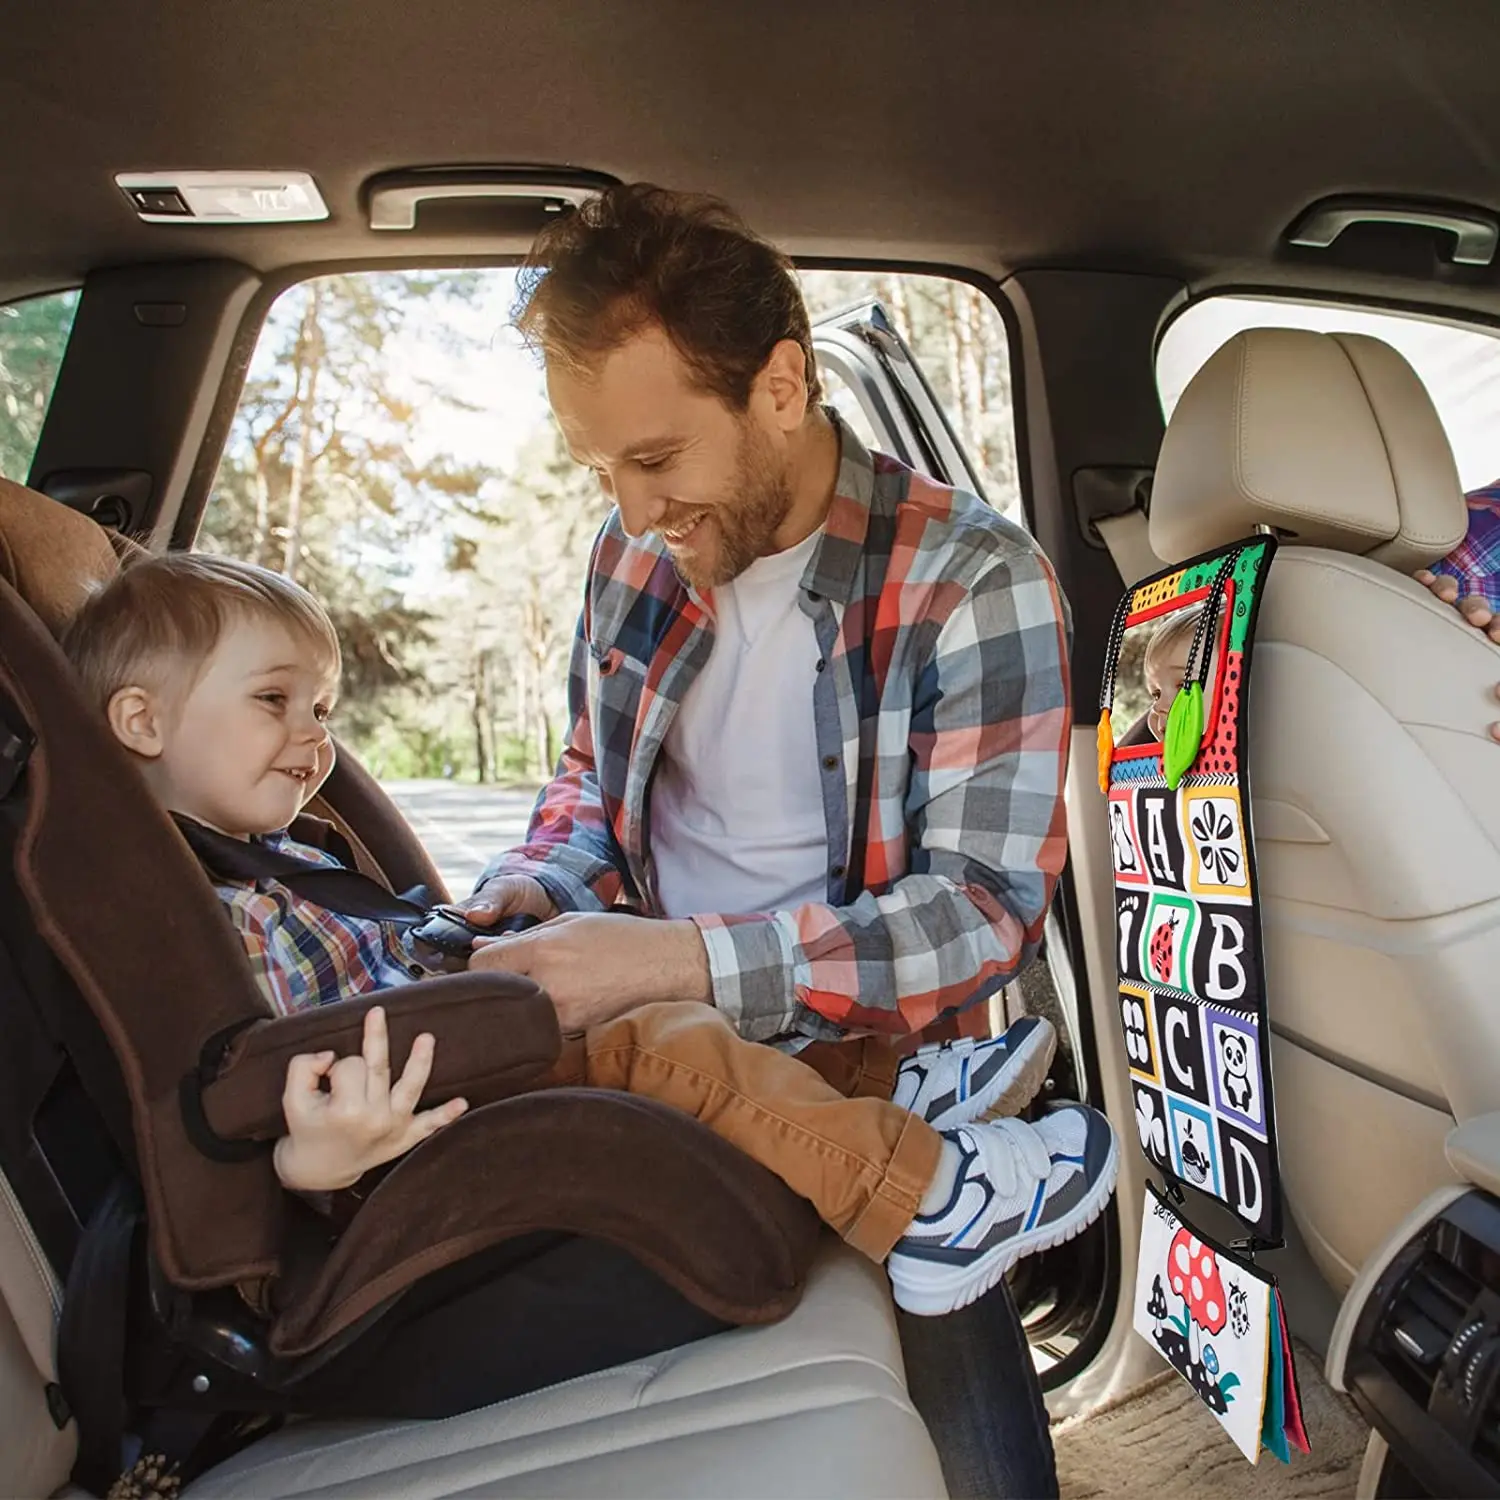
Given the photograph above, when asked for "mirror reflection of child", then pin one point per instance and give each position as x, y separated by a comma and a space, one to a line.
1166, 664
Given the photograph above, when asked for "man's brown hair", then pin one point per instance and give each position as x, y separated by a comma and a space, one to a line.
163, 616
637, 255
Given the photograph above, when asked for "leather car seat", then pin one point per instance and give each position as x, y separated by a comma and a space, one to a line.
816, 1405
1375, 784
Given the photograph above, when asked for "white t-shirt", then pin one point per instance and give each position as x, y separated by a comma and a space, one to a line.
737, 819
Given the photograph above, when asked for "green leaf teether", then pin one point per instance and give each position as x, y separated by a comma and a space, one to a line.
1184, 736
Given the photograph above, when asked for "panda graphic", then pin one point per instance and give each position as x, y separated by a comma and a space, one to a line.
1234, 1060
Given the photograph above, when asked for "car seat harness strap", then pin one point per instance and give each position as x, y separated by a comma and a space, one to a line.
341, 890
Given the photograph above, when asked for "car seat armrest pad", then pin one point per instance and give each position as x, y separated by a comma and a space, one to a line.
496, 1034
734, 1239
1473, 1151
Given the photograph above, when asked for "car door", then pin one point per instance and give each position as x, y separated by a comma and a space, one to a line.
874, 370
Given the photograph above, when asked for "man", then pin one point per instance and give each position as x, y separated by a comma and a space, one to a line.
819, 712
851, 816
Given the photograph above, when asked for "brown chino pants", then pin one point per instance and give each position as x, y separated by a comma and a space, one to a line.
821, 1120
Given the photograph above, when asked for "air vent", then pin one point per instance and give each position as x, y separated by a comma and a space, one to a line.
1428, 1315
1424, 1364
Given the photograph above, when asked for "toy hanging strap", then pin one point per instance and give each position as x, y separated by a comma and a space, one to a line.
1184, 734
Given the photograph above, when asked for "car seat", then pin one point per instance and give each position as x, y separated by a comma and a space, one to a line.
140, 1057
1376, 786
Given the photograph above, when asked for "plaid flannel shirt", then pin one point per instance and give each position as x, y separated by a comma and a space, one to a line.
1475, 562
301, 953
942, 720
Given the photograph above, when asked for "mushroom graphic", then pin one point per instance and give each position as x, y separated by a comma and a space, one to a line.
1156, 1308
1194, 1274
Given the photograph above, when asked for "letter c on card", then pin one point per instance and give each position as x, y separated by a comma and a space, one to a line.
1177, 1021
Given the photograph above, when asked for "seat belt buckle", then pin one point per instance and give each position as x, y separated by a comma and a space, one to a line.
15, 752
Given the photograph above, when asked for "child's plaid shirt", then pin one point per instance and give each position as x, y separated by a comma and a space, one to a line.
1475, 562
301, 953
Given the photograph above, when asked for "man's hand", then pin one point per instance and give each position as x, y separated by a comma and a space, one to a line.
504, 896
1473, 609
598, 965
334, 1138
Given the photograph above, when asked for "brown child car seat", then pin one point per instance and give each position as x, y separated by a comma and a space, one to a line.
142, 1072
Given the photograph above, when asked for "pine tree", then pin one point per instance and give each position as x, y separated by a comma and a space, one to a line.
322, 480
33, 338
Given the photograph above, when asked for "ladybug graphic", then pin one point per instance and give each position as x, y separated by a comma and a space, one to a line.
1164, 946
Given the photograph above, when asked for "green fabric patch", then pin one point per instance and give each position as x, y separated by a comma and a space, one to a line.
1202, 577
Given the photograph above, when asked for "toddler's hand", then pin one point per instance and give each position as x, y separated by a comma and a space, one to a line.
1474, 608
333, 1138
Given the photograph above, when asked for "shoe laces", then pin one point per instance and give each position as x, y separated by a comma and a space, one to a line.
1028, 1154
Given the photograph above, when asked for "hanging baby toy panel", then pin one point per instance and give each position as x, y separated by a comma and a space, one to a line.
1192, 981
1192, 992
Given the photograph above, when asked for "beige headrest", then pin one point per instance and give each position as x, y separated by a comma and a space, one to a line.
1329, 437
52, 556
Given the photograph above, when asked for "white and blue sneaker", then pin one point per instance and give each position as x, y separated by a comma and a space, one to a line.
1019, 1188
952, 1083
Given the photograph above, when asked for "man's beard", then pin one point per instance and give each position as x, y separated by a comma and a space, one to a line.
746, 519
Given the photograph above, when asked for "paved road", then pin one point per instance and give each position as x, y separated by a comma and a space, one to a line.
463, 825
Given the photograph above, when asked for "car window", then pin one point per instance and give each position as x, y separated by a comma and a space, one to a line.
33, 338
958, 337
394, 452
1459, 366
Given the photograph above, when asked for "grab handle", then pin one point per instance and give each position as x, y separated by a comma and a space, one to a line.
393, 202
1476, 235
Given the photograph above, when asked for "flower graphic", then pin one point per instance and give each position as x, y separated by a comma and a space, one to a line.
1149, 1123
1218, 847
